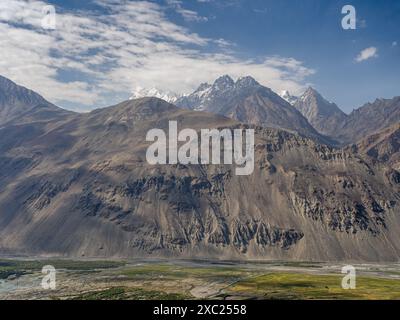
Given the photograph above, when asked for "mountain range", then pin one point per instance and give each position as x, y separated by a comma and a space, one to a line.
369, 119
248, 101
323, 115
141, 92
79, 185
328, 119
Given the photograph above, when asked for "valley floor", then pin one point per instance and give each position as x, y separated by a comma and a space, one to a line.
171, 280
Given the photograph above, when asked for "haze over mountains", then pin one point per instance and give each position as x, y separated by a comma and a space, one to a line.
79, 185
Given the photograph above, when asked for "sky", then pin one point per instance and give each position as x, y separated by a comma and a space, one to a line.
97, 52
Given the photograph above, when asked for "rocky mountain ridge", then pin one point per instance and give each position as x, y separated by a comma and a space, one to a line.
323, 115
81, 187
249, 102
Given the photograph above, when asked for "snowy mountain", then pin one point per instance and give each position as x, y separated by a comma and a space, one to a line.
141, 92
206, 94
325, 116
247, 101
17, 101
87, 173
288, 97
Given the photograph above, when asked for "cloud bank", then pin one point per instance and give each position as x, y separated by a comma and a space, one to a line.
98, 57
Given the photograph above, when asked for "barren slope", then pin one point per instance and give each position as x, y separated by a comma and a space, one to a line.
82, 187
383, 146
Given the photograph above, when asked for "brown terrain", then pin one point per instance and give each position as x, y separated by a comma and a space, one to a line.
79, 185
369, 119
383, 146
323, 115
249, 102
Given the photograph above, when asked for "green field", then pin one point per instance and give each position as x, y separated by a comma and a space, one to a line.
124, 293
20, 267
308, 286
178, 280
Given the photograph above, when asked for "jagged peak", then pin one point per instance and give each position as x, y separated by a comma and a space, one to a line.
311, 91
224, 81
246, 81
203, 86
314, 94
285, 94
313, 100
140, 92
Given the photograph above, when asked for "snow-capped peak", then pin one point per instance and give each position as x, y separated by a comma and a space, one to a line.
223, 83
246, 82
288, 97
140, 92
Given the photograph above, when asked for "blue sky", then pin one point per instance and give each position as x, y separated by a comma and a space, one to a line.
102, 50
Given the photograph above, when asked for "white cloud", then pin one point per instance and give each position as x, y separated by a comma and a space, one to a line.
188, 15
366, 54
394, 43
107, 55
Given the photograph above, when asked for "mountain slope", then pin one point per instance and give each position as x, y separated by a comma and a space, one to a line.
288, 97
323, 115
368, 119
383, 146
82, 187
249, 102
16, 101
328, 119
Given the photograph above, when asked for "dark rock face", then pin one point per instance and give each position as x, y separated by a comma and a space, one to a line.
42, 191
339, 209
343, 216
188, 198
264, 235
